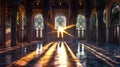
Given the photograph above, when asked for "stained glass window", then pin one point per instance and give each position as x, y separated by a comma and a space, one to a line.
80, 22
38, 20
60, 20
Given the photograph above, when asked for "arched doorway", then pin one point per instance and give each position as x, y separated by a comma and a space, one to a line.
93, 27
38, 26
81, 26
105, 22
114, 23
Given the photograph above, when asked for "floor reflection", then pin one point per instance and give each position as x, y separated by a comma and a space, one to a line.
39, 48
81, 54
8, 58
62, 54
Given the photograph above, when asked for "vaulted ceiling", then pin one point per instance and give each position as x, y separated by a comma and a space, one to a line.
67, 4
72, 5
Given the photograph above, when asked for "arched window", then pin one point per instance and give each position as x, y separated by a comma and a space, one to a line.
80, 22
81, 25
93, 26
60, 25
38, 22
38, 25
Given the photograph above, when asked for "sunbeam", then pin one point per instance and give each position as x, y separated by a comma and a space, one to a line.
26, 59
52, 32
68, 34
42, 62
70, 26
50, 25
60, 29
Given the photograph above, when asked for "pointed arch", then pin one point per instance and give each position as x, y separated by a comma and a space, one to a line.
114, 23
93, 25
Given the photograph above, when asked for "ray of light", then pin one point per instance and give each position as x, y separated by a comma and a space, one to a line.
70, 26
52, 32
39, 49
75, 59
50, 25
63, 56
102, 55
58, 47
42, 62
68, 34
72, 54
26, 59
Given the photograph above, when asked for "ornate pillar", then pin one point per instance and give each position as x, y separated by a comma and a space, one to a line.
2, 23
119, 22
29, 26
13, 11
107, 24
2, 30
100, 27
73, 12
13, 6
88, 9
87, 32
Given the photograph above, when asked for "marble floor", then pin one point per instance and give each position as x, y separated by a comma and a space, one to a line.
61, 54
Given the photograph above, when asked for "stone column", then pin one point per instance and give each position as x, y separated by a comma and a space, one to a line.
100, 27
13, 11
119, 23
87, 32
29, 28
2, 21
88, 9
107, 25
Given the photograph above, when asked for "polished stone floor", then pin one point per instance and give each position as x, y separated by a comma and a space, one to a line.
61, 54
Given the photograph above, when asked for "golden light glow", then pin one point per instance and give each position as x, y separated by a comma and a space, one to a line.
70, 26
26, 59
68, 33
63, 56
60, 29
60, 57
45, 59
8, 30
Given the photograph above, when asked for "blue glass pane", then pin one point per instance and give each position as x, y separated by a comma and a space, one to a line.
60, 21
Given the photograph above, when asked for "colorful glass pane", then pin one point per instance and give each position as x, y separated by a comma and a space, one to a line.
38, 22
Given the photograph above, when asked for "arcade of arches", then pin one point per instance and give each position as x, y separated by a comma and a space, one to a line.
70, 23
